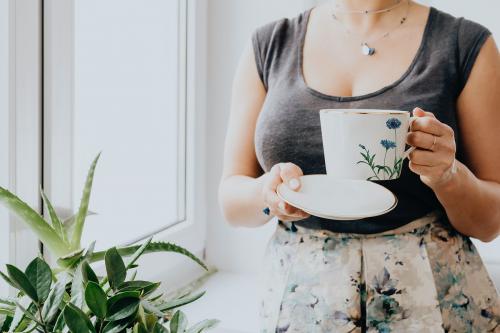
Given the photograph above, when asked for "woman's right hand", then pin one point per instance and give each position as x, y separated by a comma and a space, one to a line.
289, 174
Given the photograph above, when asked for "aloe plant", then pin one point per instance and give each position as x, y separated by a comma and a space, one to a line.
71, 297
63, 237
78, 301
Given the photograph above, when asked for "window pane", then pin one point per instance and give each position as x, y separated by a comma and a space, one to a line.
126, 102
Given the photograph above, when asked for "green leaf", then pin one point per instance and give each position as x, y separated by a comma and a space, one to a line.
56, 222
5, 325
55, 298
150, 308
18, 321
151, 320
76, 320
139, 328
21, 282
203, 325
180, 301
7, 311
178, 323
60, 324
27, 312
372, 158
88, 273
40, 277
77, 286
115, 268
7, 301
96, 299
159, 328
152, 247
122, 305
139, 252
365, 156
8, 280
69, 224
35, 222
71, 259
145, 287
115, 326
84, 206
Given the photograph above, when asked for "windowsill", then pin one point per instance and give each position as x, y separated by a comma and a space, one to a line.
231, 298
234, 299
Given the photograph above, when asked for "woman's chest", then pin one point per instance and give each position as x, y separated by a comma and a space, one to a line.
288, 128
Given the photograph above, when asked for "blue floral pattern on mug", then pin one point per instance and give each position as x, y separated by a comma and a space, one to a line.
384, 171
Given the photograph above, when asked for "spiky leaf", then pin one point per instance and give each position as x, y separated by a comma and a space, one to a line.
137, 254
84, 206
203, 325
35, 222
152, 247
180, 301
56, 222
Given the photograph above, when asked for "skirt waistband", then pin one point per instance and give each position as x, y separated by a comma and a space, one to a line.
416, 224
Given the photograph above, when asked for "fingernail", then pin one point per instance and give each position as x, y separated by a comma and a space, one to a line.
281, 205
294, 183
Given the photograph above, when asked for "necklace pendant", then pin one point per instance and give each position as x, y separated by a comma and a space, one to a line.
366, 50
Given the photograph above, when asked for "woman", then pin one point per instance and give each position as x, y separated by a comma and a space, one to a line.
413, 269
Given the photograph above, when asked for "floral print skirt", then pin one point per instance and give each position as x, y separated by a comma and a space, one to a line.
422, 277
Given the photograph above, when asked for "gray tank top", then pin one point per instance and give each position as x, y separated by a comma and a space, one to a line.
288, 126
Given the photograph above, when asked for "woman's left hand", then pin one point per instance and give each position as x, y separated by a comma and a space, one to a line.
434, 156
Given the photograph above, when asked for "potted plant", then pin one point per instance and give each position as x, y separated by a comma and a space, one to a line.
71, 297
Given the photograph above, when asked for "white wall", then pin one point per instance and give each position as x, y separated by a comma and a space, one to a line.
230, 25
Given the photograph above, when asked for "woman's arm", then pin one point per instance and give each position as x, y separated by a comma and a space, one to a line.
471, 195
244, 189
242, 177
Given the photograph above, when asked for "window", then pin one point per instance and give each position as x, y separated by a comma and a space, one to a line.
117, 77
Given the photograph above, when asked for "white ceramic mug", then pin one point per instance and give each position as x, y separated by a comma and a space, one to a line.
364, 143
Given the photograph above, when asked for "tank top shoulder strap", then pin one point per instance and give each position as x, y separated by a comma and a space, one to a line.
452, 42
275, 45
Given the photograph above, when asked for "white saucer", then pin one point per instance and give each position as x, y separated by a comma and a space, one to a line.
339, 199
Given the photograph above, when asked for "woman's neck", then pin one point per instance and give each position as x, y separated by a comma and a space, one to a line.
364, 5
365, 23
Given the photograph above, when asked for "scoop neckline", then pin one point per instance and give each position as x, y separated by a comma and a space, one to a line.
418, 54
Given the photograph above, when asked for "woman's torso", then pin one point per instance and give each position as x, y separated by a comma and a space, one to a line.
288, 126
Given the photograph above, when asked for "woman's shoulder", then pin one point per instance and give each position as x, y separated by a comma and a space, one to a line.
458, 26
461, 39
280, 30
273, 39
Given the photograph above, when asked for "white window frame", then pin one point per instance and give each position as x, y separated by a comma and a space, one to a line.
21, 162
20, 125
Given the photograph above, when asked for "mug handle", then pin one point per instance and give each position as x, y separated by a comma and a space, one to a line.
407, 153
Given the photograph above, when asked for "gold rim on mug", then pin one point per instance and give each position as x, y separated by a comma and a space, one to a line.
364, 111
